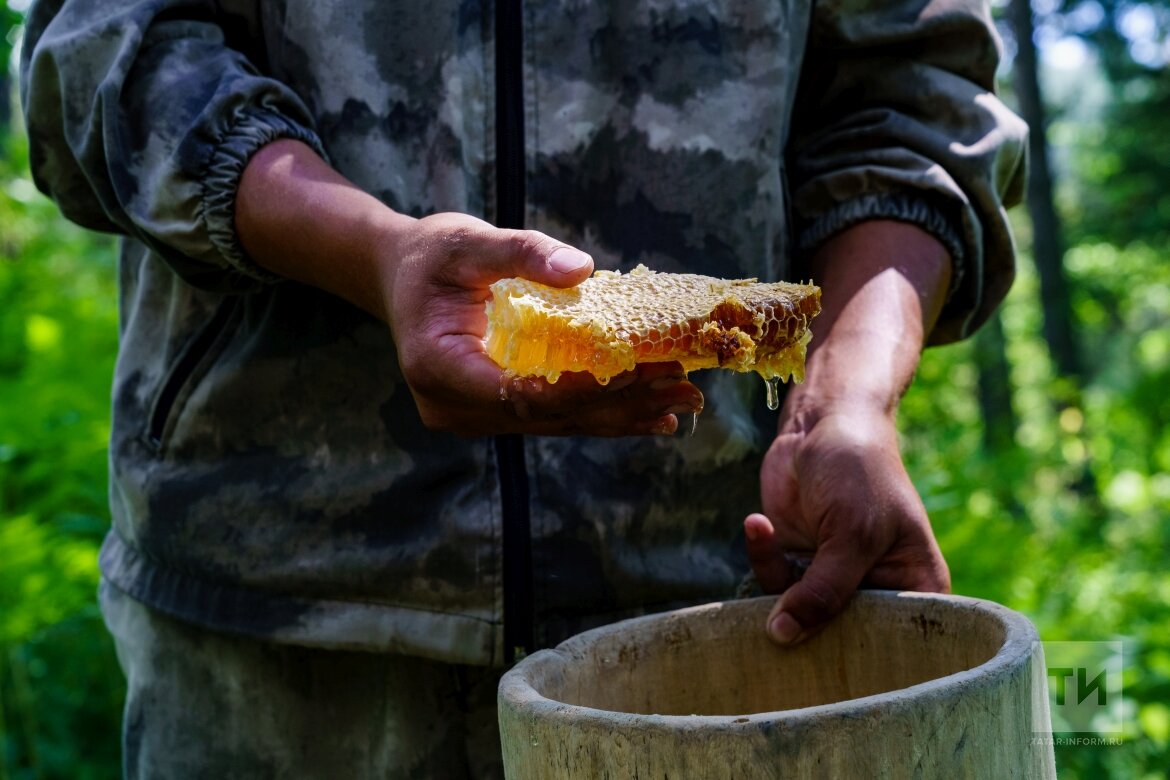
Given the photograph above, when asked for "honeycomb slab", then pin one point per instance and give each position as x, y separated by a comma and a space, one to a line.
612, 321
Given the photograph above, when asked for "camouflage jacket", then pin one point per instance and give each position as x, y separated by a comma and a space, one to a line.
269, 472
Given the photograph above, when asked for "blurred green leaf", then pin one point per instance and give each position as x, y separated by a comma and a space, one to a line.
60, 688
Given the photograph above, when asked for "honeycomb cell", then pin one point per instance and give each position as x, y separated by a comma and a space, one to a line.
612, 320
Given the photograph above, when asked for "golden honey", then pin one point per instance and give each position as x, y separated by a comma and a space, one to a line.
612, 321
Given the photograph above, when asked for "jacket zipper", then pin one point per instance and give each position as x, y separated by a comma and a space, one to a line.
510, 175
184, 369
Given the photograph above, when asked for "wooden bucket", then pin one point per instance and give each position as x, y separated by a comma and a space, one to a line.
901, 685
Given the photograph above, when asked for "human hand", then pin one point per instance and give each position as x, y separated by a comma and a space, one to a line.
428, 279
834, 488
833, 483
437, 271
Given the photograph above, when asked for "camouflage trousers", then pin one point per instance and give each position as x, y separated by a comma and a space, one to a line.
206, 705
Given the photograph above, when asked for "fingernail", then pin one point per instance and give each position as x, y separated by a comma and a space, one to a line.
567, 260
664, 427
751, 532
784, 628
664, 382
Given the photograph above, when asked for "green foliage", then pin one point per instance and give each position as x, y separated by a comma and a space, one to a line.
1068, 525
10, 20
60, 688
1118, 152
1122, 161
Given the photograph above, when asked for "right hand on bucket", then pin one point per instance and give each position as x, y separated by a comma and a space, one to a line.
833, 485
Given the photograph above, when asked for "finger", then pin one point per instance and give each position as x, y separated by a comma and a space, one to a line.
831, 580
621, 419
477, 398
666, 382
670, 369
494, 254
655, 376
579, 395
765, 554
648, 390
458, 389
666, 425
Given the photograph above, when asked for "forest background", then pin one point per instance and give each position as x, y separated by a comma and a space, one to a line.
1040, 446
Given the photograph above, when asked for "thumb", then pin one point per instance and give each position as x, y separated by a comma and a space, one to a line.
831, 580
532, 255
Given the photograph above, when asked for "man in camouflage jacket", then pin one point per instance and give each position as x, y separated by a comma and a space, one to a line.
293, 177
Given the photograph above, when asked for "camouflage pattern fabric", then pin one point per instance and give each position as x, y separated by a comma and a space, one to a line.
201, 704
269, 472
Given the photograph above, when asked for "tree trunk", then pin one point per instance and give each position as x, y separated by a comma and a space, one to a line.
1047, 242
995, 388
5, 99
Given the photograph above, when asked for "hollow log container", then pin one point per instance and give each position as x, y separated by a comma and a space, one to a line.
901, 685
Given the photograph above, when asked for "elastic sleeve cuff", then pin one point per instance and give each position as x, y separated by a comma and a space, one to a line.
221, 182
915, 209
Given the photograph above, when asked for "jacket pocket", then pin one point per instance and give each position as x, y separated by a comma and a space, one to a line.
192, 363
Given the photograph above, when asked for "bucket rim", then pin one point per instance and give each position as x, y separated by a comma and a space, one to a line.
517, 692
